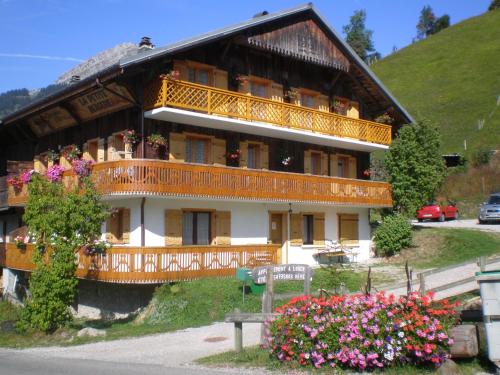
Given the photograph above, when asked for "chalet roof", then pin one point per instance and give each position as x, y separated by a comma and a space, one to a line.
150, 55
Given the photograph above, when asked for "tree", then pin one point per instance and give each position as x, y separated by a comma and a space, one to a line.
358, 37
428, 24
495, 4
60, 223
415, 166
425, 26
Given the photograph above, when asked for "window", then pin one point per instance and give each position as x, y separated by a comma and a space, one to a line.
307, 100
348, 229
253, 156
258, 89
196, 228
197, 150
197, 75
315, 163
307, 229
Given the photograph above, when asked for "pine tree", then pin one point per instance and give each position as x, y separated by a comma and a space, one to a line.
358, 37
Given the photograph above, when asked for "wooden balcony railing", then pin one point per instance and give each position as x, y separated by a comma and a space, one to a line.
144, 176
152, 265
214, 101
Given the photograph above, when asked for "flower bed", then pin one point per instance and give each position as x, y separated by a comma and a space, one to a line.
362, 332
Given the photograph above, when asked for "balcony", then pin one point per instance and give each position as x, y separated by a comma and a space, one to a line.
3, 193
153, 265
162, 178
194, 104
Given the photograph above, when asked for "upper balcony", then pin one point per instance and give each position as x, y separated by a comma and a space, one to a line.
190, 103
139, 177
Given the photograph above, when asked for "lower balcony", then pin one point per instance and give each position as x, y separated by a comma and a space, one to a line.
162, 178
153, 265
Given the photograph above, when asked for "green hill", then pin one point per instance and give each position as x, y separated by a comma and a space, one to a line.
453, 78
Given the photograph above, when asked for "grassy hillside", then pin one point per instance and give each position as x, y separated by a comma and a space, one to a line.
453, 78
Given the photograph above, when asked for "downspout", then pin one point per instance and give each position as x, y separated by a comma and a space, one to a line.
143, 230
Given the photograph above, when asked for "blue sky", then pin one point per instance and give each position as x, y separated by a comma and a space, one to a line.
40, 39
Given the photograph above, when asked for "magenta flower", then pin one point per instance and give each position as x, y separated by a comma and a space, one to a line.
54, 173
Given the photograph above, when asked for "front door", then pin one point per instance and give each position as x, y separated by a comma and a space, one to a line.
276, 228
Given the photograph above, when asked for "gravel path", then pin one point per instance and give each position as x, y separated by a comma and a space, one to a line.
466, 224
171, 350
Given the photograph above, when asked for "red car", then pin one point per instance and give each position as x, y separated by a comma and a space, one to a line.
434, 211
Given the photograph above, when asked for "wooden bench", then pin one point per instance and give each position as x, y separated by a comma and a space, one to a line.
239, 318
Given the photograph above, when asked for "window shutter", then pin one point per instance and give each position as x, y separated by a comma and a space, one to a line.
319, 229
323, 103
220, 79
223, 227
353, 110
334, 165
177, 147
348, 225
264, 156
125, 225
110, 234
111, 148
277, 92
100, 150
219, 151
353, 167
181, 66
296, 229
324, 164
244, 154
173, 227
307, 161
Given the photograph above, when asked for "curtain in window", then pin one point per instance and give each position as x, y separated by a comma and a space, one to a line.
187, 228
199, 151
251, 157
203, 228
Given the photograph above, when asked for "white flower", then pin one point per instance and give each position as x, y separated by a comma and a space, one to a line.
401, 334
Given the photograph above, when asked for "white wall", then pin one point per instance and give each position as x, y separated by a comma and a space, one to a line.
249, 223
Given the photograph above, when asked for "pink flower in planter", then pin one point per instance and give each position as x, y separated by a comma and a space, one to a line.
54, 173
82, 167
26, 176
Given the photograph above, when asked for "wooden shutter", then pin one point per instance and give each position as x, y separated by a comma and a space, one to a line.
324, 164
323, 103
264, 156
348, 229
220, 79
223, 227
125, 217
101, 154
38, 164
277, 92
307, 161
353, 110
182, 67
353, 167
334, 165
111, 148
296, 229
173, 227
219, 151
85, 152
177, 147
319, 229
244, 154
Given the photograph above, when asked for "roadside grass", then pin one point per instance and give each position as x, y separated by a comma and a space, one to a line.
440, 247
174, 306
257, 357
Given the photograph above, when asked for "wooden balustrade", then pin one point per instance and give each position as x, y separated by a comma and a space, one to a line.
151, 265
214, 101
158, 177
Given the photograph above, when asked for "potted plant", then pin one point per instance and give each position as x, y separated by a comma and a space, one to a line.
291, 94
20, 242
54, 173
156, 141
173, 75
52, 156
82, 167
72, 153
26, 176
96, 247
241, 79
16, 182
130, 137
233, 156
384, 118
287, 161
340, 107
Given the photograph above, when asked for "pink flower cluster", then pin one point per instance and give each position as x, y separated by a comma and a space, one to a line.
54, 173
362, 331
82, 167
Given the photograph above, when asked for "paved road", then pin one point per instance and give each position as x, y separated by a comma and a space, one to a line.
166, 353
467, 224
17, 363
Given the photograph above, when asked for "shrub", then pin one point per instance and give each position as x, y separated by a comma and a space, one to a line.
481, 157
392, 235
362, 331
